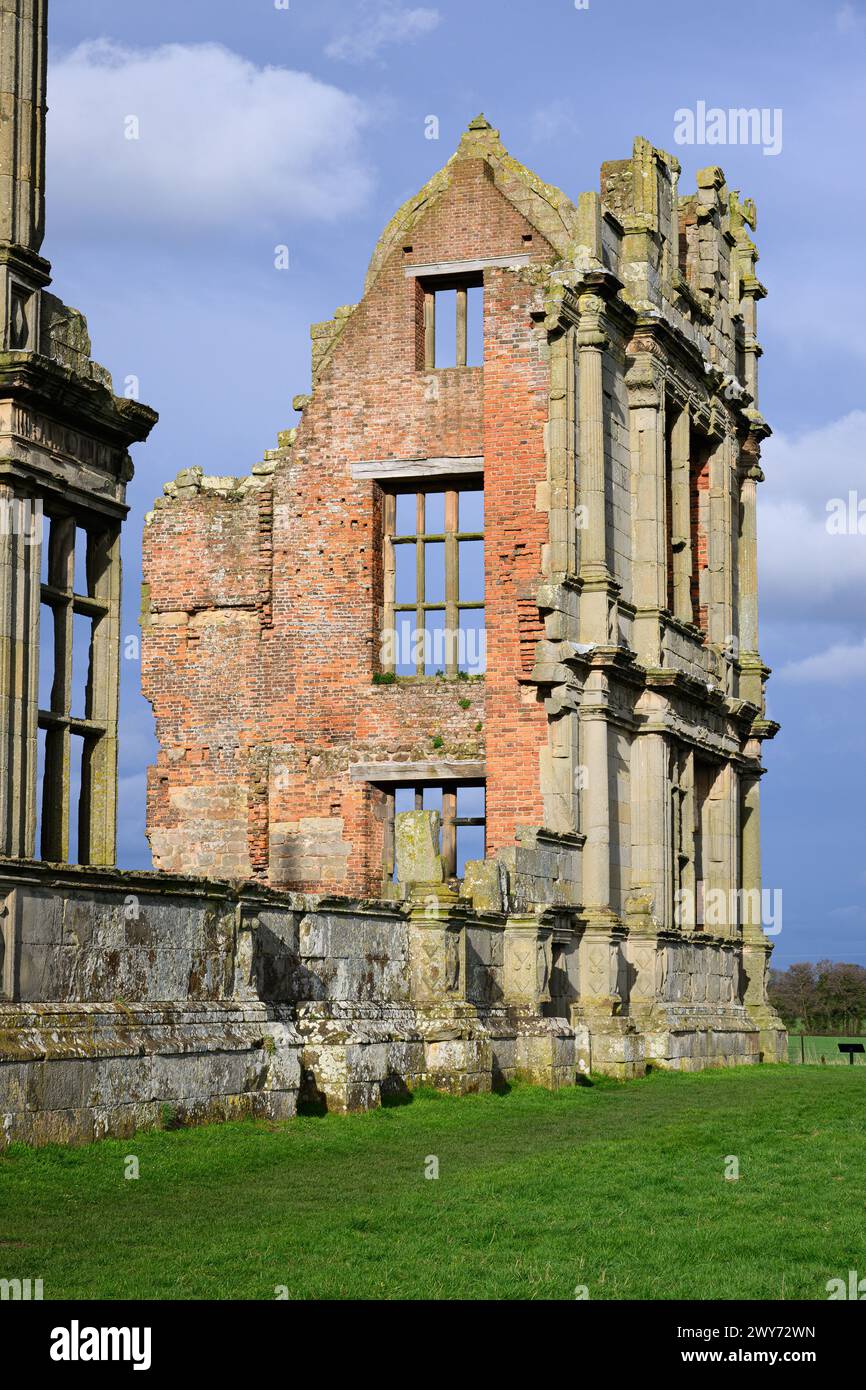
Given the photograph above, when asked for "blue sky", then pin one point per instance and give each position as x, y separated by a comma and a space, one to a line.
305, 127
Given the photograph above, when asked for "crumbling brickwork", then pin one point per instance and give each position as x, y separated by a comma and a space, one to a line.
270, 679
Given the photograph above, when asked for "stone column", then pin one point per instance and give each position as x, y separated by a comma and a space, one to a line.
751, 683
23, 272
595, 819
757, 949
720, 616
594, 573
560, 451
23, 65
20, 550
721, 858
652, 827
605, 1042
649, 530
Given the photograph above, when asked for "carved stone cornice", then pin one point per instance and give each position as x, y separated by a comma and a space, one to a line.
47, 385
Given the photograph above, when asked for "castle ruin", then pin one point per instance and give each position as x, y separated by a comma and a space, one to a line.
458, 694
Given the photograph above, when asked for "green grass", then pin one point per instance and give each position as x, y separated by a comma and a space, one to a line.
818, 1045
617, 1187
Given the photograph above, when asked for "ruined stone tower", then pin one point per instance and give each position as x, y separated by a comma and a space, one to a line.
64, 465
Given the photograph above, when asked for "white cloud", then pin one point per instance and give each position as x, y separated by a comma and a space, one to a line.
222, 142
378, 24
809, 575
838, 665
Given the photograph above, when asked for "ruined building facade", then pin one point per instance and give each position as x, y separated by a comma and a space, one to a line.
458, 694
312, 631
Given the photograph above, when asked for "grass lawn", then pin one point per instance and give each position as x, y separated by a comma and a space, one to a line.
818, 1045
619, 1187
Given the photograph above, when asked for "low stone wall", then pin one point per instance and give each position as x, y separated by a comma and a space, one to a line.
77, 1072
130, 1000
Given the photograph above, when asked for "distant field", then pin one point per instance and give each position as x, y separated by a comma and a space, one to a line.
817, 1046
621, 1189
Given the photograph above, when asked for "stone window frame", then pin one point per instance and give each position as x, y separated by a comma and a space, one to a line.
452, 606
451, 822
100, 605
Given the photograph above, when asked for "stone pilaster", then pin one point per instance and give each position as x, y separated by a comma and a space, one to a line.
750, 291
596, 800
649, 528
20, 548
720, 614
652, 828
594, 568
23, 272
752, 677
561, 478
528, 962
23, 65
757, 948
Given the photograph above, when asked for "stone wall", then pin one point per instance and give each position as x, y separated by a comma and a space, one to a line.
132, 1000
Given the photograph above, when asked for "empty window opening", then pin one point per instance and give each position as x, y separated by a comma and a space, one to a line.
687, 482
434, 582
463, 823
77, 756
74, 614
81, 693
81, 582
47, 660
454, 323
46, 548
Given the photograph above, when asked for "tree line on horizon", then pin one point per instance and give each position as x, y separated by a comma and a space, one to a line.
827, 997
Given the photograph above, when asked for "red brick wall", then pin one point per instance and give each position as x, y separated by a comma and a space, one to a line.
263, 691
